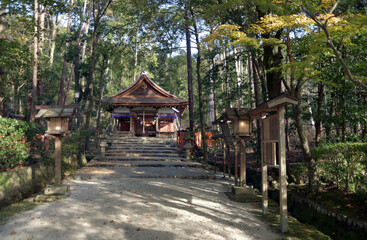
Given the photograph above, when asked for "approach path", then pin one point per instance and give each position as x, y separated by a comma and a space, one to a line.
135, 207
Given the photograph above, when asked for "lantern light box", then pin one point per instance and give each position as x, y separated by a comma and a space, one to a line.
242, 127
57, 118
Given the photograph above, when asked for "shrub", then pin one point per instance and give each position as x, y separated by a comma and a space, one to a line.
16, 140
343, 164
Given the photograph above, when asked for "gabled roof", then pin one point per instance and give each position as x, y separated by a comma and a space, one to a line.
145, 92
66, 111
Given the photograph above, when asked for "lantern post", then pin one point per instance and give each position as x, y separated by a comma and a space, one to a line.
57, 127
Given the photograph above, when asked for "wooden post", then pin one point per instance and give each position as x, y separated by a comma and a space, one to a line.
215, 156
131, 124
143, 120
235, 163
282, 173
242, 162
224, 159
57, 160
264, 175
157, 125
229, 163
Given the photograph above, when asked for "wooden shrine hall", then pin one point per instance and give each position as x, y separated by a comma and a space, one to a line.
145, 109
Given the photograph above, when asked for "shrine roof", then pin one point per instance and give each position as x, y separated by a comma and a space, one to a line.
145, 92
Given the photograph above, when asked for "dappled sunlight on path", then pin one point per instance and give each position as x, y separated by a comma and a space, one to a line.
140, 209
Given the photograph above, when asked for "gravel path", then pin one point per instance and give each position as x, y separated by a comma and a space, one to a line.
147, 208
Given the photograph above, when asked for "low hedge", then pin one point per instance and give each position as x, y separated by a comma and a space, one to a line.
343, 164
17, 139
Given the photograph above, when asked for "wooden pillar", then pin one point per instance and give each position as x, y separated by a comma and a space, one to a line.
242, 162
143, 120
264, 174
282, 173
224, 158
215, 155
157, 125
131, 124
235, 163
57, 160
229, 163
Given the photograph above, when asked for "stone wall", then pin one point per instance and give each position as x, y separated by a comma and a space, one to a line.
23, 182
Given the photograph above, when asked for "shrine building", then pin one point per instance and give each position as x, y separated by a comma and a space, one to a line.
145, 109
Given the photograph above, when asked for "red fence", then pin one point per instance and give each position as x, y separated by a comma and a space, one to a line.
198, 140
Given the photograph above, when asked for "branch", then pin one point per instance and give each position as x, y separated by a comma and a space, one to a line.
286, 85
334, 7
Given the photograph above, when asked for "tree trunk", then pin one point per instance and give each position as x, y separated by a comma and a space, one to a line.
272, 59
70, 78
2, 20
257, 102
90, 79
189, 71
309, 160
200, 94
65, 65
320, 98
53, 38
102, 87
136, 48
35, 62
83, 28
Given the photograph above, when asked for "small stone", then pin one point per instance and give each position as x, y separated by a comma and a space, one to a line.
57, 190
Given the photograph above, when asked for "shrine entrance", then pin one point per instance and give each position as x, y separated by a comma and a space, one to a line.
145, 109
145, 121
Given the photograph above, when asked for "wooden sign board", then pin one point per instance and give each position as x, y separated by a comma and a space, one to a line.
270, 135
271, 128
227, 134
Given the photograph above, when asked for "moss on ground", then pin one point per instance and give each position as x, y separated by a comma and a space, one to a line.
296, 229
17, 208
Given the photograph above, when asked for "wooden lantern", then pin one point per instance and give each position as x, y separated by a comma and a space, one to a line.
57, 125
242, 127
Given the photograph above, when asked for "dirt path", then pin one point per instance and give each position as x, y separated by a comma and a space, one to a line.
140, 209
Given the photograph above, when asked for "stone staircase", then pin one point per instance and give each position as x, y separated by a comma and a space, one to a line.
143, 157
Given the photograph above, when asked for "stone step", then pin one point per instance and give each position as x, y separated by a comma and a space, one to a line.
142, 139
134, 150
142, 158
95, 163
141, 147
132, 142
162, 155
142, 172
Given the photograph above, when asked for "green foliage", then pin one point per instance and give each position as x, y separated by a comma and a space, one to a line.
343, 164
17, 138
